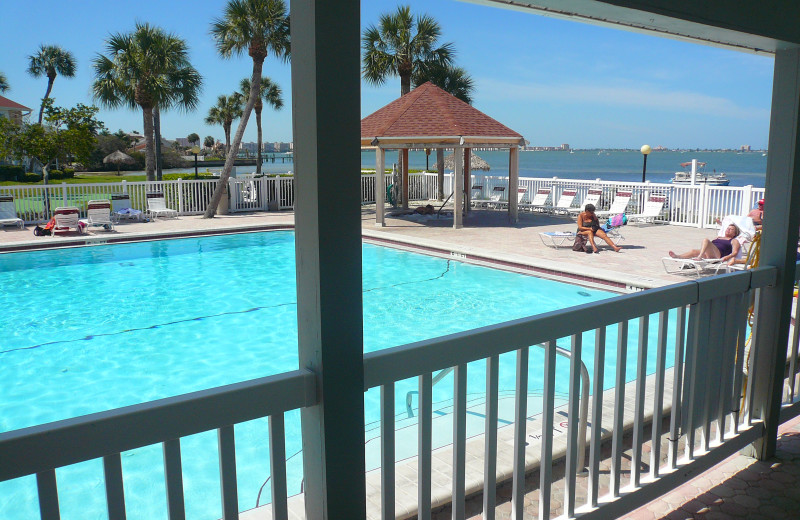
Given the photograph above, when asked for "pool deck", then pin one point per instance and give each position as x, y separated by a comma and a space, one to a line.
487, 236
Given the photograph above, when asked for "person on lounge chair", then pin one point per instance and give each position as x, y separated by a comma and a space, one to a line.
724, 248
589, 226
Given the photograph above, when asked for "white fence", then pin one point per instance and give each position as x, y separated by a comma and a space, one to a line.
696, 206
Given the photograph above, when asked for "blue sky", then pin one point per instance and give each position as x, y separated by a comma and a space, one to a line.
551, 80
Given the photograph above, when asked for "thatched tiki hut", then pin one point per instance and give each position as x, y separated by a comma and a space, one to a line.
429, 117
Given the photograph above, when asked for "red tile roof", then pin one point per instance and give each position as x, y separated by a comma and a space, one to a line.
7, 103
428, 111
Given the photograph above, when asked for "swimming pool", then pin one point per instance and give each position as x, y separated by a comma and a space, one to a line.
97, 328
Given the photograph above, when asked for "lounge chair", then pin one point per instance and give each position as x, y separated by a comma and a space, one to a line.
476, 198
652, 210
564, 205
157, 206
496, 199
618, 205
709, 266
8, 212
65, 219
592, 197
556, 239
98, 213
121, 208
539, 202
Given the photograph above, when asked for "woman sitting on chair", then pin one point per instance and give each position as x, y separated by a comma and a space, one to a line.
724, 248
589, 226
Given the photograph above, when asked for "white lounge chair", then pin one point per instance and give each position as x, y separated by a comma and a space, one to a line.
98, 213
556, 239
8, 212
121, 208
157, 206
66, 218
708, 266
564, 205
539, 202
592, 197
618, 205
652, 210
476, 196
496, 199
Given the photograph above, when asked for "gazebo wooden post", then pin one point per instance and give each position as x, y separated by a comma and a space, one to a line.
467, 176
513, 181
458, 189
380, 186
404, 163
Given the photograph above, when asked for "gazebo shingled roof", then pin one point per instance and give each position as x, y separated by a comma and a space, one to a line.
429, 115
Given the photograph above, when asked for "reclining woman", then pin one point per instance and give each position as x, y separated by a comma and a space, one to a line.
589, 226
724, 248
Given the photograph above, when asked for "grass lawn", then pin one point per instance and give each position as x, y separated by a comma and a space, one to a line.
106, 177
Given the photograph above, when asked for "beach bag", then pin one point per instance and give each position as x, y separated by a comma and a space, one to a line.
580, 243
618, 220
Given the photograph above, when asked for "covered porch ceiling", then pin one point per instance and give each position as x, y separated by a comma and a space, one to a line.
756, 27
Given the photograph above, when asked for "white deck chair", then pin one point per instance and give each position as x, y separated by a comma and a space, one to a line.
565, 202
539, 202
476, 198
98, 213
157, 206
708, 266
8, 212
121, 208
556, 239
618, 205
592, 197
522, 193
65, 219
496, 199
652, 210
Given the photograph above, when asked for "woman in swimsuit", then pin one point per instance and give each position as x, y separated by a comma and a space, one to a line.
724, 248
589, 226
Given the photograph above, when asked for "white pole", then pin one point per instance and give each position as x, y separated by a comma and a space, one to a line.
694, 170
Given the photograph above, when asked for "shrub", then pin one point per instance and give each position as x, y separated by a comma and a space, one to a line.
10, 172
55, 175
30, 177
69, 173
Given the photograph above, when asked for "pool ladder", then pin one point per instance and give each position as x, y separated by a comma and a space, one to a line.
582, 417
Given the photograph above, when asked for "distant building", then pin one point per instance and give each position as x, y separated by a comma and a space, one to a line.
565, 147
13, 110
278, 147
745, 148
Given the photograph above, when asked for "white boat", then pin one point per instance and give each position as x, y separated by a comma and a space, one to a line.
700, 177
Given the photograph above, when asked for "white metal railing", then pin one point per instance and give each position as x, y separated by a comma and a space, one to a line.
791, 395
697, 206
707, 422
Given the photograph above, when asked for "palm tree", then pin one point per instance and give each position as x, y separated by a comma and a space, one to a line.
50, 61
271, 93
149, 69
4, 86
227, 109
453, 80
256, 27
208, 142
400, 45
193, 138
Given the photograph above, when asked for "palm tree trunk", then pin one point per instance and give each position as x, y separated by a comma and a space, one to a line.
157, 130
258, 143
405, 84
222, 183
46, 95
227, 129
440, 172
149, 155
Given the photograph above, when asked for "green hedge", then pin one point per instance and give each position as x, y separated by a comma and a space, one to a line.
10, 172
30, 177
57, 175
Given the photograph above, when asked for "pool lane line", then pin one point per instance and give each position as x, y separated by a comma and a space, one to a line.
201, 318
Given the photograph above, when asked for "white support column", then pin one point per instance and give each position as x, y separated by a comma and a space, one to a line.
326, 117
458, 187
513, 183
380, 188
747, 196
778, 246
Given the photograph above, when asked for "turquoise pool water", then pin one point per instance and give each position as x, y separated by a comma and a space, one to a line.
91, 329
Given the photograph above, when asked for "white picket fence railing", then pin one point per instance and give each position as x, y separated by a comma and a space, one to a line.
696, 206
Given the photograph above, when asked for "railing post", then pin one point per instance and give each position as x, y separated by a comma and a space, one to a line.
180, 196
703, 194
778, 248
64, 193
124, 186
326, 116
747, 196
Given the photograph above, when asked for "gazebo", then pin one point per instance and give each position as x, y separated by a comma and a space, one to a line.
429, 117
